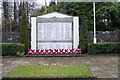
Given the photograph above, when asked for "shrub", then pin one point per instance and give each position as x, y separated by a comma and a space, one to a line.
12, 48
24, 39
104, 48
83, 42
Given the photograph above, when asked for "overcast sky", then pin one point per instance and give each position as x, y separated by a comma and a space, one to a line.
43, 1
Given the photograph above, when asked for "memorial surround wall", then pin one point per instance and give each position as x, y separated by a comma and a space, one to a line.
54, 31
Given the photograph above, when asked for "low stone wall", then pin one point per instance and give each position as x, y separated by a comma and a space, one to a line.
102, 36
10, 37
105, 36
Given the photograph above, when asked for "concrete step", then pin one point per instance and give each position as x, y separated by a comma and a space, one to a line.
54, 55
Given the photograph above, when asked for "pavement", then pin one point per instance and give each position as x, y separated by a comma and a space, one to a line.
103, 66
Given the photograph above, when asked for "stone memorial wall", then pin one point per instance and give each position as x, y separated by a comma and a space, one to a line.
54, 31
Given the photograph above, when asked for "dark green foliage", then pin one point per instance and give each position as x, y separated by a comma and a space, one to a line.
80, 8
104, 48
108, 11
83, 42
24, 39
12, 48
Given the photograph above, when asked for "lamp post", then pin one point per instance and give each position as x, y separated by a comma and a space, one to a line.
56, 2
94, 34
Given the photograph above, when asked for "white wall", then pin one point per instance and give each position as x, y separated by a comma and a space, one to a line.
33, 33
75, 32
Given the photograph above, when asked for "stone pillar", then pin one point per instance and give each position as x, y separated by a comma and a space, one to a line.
33, 33
75, 32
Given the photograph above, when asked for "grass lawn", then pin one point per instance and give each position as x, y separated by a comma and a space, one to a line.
50, 71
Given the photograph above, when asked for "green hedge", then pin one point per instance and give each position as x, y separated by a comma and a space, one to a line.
12, 48
104, 48
98, 48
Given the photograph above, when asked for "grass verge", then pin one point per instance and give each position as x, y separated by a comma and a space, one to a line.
50, 71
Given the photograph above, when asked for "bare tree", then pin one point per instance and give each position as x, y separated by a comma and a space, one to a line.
5, 20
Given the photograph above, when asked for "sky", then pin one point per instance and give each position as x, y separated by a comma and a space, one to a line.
43, 2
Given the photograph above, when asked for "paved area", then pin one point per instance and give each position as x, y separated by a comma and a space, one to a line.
103, 66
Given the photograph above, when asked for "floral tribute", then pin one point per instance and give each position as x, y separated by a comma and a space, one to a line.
54, 51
